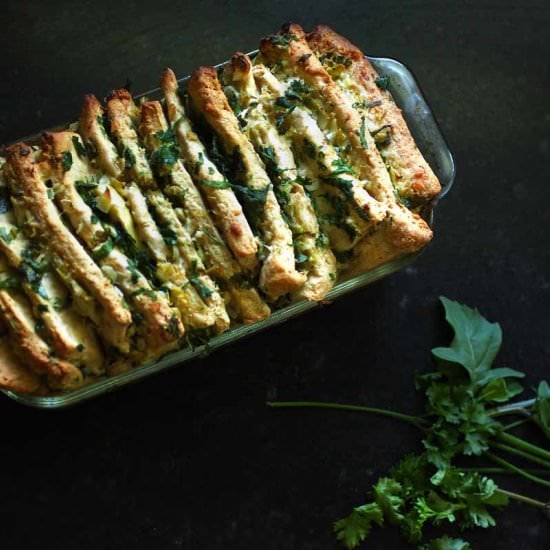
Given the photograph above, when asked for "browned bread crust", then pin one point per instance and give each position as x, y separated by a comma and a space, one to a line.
31, 349
94, 134
225, 207
28, 184
162, 328
278, 274
414, 178
409, 231
14, 375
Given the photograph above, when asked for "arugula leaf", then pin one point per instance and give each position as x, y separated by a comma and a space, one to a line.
354, 529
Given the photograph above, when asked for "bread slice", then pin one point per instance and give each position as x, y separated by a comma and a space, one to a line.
122, 115
16, 314
163, 326
345, 209
200, 305
409, 231
27, 183
278, 275
14, 374
101, 151
226, 212
224, 206
316, 259
352, 71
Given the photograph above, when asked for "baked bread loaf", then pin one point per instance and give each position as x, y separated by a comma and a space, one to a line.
153, 225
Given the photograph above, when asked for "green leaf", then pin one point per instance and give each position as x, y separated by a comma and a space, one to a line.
5, 201
476, 341
129, 158
10, 282
388, 496
7, 236
79, 148
103, 250
66, 160
221, 184
500, 390
354, 529
475, 492
202, 289
494, 374
446, 543
542, 407
253, 201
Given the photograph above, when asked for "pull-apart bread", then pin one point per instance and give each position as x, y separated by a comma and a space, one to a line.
153, 225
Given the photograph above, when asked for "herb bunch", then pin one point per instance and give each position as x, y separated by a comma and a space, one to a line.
466, 396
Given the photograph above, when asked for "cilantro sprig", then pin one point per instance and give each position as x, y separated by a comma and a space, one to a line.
466, 396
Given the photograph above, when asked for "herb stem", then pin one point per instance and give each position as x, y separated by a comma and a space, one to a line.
523, 445
414, 420
517, 470
523, 454
515, 424
505, 471
527, 500
519, 407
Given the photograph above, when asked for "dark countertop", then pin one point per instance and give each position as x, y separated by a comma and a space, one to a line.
192, 458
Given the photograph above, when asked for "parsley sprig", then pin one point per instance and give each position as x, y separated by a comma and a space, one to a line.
466, 396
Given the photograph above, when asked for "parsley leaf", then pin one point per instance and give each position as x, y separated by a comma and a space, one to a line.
475, 345
354, 529
66, 160
253, 201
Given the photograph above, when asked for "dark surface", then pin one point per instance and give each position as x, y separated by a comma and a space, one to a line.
192, 458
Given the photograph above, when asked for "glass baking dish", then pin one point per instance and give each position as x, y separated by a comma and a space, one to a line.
429, 139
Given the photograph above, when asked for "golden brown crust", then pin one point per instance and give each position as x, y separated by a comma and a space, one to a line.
408, 229
414, 177
154, 307
91, 129
31, 348
278, 275
123, 114
14, 375
320, 265
225, 208
27, 183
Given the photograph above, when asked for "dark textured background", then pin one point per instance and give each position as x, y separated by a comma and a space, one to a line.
192, 458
